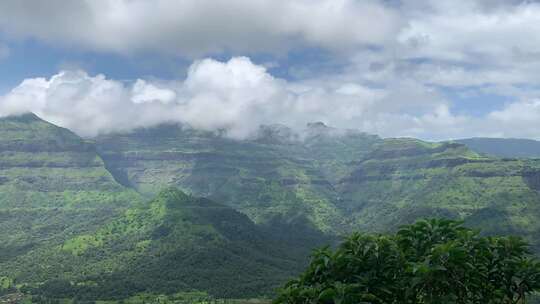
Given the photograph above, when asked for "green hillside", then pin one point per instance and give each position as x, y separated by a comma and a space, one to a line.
405, 179
338, 180
53, 186
176, 243
272, 175
89, 218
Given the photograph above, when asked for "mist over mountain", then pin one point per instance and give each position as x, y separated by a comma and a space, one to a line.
198, 152
92, 214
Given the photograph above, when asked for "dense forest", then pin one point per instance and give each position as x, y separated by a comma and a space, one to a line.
430, 261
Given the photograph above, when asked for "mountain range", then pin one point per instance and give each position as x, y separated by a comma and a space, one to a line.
504, 147
172, 209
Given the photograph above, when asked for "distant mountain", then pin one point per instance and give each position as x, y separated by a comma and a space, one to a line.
504, 147
405, 179
175, 243
275, 174
338, 180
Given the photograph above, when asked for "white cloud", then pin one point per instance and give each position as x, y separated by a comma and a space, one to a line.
395, 62
472, 43
525, 112
236, 95
196, 28
239, 96
462, 30
87, 105
144, 92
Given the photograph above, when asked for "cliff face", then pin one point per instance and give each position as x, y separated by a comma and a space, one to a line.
402, 180
52, 184
332, 179
337, 180
273, 174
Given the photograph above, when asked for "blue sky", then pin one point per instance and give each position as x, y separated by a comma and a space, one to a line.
430, 69
31, 58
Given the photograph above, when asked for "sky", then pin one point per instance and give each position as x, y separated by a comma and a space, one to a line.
433, 69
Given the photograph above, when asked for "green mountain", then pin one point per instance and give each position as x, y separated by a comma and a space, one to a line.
337, 180
89, 218
70, 228
272, 175
406, 179
175, 243
53, 185
504, 147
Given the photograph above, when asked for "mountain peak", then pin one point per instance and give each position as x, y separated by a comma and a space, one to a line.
171, 195
24, 118
317, 125
276, 133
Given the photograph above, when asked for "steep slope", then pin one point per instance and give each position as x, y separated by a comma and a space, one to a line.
272, 175
404, 179
53, 185
175, 243
339, 180
504, 147
64, 200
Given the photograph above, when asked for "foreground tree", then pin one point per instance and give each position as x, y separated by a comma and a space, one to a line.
429, 262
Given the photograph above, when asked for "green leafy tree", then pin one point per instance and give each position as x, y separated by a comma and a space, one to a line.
429, 262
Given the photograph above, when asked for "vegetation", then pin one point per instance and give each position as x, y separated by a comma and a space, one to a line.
435, 261
87, 219
7, 285
53, 187
175, 243
337, 180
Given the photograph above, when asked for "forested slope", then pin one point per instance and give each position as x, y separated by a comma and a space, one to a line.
88, 216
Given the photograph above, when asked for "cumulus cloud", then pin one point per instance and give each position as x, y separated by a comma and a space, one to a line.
236, 95
517, 119
87, 105
196, 28
393, 65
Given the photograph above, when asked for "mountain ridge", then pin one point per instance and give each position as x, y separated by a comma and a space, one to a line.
105, 196
504, 147
174, 243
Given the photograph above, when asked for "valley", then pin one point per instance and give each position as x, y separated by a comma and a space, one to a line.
170, 209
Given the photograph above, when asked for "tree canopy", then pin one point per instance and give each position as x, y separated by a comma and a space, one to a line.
431, 261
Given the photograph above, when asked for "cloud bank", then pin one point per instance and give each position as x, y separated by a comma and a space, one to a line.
433, 69
196, 28
239, 96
